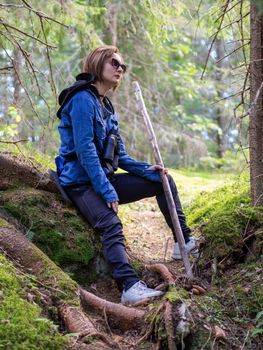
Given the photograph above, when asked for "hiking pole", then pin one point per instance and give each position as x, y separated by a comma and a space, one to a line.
165, 182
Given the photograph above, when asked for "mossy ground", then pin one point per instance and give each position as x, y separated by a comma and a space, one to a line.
22, 326
232, 303
57, 230
226, 218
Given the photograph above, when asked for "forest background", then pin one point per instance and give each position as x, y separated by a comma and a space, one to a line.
197, 94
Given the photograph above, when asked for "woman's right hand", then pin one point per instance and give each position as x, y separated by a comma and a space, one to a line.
114, 206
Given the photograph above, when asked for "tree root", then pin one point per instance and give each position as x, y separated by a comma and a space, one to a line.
169, 326
163, 271
77, 322
125, 317
63, 290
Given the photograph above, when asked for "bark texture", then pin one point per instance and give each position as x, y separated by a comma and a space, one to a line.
256, 106
18, 169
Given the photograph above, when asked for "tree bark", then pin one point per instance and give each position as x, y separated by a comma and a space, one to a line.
17, 61
256, 106
16, 168
220, 120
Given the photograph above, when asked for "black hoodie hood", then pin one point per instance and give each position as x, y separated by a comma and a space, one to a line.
83, 82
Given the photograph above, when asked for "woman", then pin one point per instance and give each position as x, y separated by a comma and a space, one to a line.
88, 129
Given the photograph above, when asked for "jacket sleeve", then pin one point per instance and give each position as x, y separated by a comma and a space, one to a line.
126, 162
82, 115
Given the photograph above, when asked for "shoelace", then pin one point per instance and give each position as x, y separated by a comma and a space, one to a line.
141, 285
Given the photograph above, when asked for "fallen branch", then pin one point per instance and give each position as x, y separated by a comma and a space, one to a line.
26, 34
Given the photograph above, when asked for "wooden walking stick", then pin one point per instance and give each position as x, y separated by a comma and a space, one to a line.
165, 182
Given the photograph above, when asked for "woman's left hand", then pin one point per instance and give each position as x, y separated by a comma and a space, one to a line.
158, 167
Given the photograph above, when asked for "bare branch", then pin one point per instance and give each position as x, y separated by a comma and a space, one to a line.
233, 22
228, 10
53, 85
26, 34
25, 54
43, 15
233, 95
31, 65
215, 36
242, 32
235, 50
6, 68
27, 93
11, 5
14, 142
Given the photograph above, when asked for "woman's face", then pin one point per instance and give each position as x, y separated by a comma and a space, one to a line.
113, 70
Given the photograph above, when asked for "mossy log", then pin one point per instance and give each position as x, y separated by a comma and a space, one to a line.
17, 169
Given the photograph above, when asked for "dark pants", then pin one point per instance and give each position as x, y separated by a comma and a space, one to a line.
129, 188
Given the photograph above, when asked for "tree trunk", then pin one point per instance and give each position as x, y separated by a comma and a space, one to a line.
17, 86
256, 106
219, 46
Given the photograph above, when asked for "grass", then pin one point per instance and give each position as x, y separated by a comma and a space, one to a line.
190, 184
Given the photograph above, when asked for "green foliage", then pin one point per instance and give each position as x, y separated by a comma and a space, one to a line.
176, 295
22, 326
259, 324
164, 47
231, 162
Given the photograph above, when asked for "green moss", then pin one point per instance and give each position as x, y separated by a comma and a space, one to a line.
245, 290
22, 327
3, 223
174, 295
58, 232
224, 215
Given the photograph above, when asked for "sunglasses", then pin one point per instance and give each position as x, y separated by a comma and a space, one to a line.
116, 64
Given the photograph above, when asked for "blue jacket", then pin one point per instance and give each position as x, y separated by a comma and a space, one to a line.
83, 132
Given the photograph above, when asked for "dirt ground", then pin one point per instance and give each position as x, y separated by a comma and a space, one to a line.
148, 236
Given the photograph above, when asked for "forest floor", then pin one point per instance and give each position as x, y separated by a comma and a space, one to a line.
145, 229
150, 240
222, 317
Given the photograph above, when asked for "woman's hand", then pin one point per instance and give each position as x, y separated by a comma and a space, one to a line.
158, 167
114, 206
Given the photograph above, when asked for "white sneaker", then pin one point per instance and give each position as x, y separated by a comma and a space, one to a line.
191, 248
137, 292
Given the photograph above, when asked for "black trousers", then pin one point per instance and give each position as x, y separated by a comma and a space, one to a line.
129, 188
